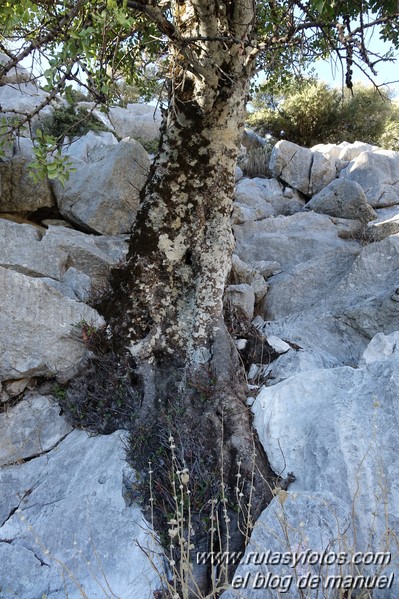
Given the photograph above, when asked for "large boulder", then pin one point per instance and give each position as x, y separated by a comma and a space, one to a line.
32, 427
51, 253
259, 198
308, 283
289, 240
18, 191
340, 437
344, 151
359, 302
91, 254
343, 198
21, 250
303, 169
138, 121
103, 196
65, 525
84, 147
377, 173
37, 331
51, 271
292, 528
15, 75
24, 98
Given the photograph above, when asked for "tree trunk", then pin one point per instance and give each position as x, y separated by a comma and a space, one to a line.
165, 306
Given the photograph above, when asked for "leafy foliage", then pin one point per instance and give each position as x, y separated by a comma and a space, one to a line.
48, 161
96, 43
390, 136
70, 121
311, 112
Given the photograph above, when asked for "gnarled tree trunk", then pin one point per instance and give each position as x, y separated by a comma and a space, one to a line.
165, 308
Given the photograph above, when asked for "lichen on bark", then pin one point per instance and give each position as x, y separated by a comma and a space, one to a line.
165, 305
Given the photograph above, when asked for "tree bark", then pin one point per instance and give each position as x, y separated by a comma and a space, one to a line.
165, 306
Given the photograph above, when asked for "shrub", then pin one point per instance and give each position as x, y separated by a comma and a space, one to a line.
311, 112
390, 136
305, 115
71, 121
364, 115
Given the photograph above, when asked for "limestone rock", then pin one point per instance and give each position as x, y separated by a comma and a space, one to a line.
74, 284
83, 147
241, 298
279, 346
15, 387
241, 272
22, 250
360, 304
95, 552
289, 240
18, 191
344, 151
30, 428
15, 75
293, 526
364, 297
51, 253
267, 268
86, 253
386, 224
260, 198
377, 173
244, 273
301, 168
341, 450
103, 196
36, 335
238, 174
382, 348
302, 286
292, 362
344, 199
24, 98
250, 203
138, 121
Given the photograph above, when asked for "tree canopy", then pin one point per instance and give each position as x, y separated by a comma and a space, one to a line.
94, 42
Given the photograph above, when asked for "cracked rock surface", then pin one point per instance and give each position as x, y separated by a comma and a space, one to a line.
65, 530
31, 428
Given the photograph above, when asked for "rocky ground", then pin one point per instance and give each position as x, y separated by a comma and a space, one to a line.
315, 268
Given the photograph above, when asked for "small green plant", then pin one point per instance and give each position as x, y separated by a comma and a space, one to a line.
60, 392
48, 161
87, 330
